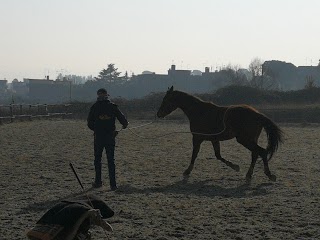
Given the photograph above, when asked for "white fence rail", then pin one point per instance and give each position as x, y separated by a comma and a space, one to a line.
28, 111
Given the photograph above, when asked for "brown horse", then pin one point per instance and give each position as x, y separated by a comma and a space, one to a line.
209, 122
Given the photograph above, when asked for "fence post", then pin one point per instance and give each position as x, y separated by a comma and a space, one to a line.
11, 112
29, 111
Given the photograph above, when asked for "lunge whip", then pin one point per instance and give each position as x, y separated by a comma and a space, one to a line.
75, 173
102, 223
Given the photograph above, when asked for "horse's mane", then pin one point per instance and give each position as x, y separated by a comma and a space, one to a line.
245, 106
188, 95
199, 100
194, 98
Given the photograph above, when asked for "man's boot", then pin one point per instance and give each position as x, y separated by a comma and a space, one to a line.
97, 182
112, 176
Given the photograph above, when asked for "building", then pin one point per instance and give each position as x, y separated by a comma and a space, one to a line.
289, 76
3, 90
3, 86
144, 84
46, 90
19, 88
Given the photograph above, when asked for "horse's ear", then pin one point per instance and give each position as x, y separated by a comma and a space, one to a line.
171, 89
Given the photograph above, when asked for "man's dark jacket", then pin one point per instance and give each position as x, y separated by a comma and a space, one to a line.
102, 116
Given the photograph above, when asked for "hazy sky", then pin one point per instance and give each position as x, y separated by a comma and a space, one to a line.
40, 37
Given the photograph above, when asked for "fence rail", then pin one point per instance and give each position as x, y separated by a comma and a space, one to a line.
28, 111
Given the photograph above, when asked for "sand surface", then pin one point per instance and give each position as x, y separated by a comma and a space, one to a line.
154, 201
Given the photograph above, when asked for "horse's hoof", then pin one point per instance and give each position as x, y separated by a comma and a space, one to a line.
236, 167
185, 178
248, 179
273, 178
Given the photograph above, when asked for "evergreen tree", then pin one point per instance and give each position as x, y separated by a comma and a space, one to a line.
110, 74
126, 76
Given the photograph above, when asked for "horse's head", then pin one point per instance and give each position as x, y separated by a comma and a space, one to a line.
168, 104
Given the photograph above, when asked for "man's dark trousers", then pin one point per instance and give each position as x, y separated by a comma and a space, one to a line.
106, 142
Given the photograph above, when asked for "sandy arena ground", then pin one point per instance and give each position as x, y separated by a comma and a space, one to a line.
153, 200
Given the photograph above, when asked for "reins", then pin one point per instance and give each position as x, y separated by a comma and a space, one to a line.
176, 132
166, 134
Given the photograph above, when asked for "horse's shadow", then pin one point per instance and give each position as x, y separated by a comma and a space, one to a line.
201, 188
182, 187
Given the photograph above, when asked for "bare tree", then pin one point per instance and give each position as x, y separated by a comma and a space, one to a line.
255, 67
235, 75
260, 78
310, 82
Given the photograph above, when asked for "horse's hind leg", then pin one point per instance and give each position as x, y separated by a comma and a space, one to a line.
216, 147
254, 157
256, 151
267, 170
196, 147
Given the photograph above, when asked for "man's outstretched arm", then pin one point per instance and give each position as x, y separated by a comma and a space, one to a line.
120, 116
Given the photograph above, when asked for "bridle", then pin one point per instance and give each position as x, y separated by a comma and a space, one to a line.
169, 107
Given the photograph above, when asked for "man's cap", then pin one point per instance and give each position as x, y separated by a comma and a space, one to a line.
102, 91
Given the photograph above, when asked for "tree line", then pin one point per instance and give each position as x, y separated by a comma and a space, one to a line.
259, 75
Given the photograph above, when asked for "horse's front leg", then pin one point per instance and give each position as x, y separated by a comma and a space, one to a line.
196, 147
216, 147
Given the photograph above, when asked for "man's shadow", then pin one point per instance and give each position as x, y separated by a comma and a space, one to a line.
201, 188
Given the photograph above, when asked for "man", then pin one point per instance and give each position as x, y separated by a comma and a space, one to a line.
101, 120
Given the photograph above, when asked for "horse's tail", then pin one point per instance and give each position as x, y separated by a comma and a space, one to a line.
274, 135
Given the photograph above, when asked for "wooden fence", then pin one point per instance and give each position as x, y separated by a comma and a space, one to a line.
11, 112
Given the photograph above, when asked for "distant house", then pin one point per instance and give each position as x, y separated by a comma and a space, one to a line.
3, 85
147, 72
3, 89
46, 90
289, 76
19, 88
147, 82
196, 73
143, 84
309, 72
